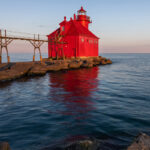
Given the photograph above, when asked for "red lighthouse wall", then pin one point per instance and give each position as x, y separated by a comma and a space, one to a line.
88, 46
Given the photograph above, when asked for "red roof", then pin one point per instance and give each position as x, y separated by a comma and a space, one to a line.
54, 33
77, 28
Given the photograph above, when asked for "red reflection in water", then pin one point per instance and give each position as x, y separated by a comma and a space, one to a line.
74, 88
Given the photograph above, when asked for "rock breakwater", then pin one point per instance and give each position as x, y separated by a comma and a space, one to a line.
12, 71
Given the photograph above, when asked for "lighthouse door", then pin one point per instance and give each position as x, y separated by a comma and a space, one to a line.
74, 52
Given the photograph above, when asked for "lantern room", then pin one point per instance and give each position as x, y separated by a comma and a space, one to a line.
83, 18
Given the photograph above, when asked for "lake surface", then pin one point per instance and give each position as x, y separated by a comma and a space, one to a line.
111, 103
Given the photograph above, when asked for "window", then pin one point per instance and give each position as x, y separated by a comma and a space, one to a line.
63, 28
90, 41
82, 13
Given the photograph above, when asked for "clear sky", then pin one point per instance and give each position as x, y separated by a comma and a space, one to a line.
122, 25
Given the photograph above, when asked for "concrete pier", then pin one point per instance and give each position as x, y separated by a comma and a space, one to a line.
12, 71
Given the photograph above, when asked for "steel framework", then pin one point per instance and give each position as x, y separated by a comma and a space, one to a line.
6, 40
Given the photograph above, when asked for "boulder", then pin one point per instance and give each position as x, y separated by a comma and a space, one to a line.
84, 145
54, 67
141, 142
4, 146
87, 64
6, 66
38, 69
108, 61
103, 62
64, 66
75, 64
15, 71
96, 61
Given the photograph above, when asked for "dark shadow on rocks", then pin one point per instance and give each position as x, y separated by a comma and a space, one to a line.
6, 66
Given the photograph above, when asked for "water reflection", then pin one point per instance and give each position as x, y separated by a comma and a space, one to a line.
75, 91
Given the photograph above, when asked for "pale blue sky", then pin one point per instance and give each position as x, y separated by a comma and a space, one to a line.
122, 25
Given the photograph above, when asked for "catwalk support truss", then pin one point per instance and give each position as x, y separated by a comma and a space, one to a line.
5, 40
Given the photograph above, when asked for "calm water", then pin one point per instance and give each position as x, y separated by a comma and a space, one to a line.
22, 57
111, 103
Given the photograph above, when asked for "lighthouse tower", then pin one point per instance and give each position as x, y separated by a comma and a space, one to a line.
83, 18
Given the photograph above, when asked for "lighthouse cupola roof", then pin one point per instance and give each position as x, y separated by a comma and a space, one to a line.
81, 11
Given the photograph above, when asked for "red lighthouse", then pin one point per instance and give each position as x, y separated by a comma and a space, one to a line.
73, 38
